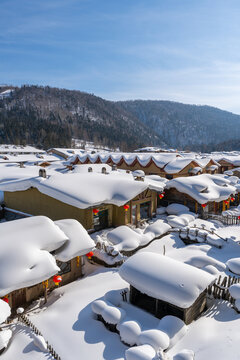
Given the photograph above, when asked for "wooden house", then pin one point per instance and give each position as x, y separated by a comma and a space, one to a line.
164, 286
96, 200
35, 249
202, 194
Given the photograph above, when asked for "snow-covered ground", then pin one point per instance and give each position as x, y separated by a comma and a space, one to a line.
68, 323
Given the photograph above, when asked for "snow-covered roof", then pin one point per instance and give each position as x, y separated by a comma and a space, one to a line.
88, 189
79, 243
203, 188
25, 258
177, 165
165, 279
14, 149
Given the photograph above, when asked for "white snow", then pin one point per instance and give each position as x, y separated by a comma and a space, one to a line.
5, 311
185, 354
129, 331
234, 265
147, 273
175, 209
79, 243
154, 337
142, 352
157, 228
87, 189
40, 342
25, 258
5, 337
235, 291
124, 238
203, 188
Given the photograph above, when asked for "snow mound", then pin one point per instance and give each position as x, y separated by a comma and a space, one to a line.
110, 313
5, 337
40, 342
176, 221
237, 304
156, 229
5, 311
175, 209
234, 265
129, 332
142, 352
184, 355
154, 337
235, 291
98, 306
161, 210
201, 261
174, 327
113, 315
124, 238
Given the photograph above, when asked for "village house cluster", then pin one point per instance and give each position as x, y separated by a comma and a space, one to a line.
60, 204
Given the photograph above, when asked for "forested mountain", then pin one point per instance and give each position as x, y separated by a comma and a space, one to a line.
48, 117
188, 126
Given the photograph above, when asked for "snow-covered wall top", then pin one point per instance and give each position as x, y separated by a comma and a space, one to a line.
86, 190
171, 163
165, 279
203, 188
25, 258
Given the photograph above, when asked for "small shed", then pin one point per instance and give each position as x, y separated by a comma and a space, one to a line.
164, 286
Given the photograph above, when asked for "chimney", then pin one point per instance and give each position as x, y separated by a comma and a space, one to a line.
138, 175
42, 173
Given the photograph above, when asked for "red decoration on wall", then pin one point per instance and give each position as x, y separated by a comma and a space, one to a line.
204, 205
126, 207
57, 279
5, 299
232, 198
161, 195
89, 255
95, 211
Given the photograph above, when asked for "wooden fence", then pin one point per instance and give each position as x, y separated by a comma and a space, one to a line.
226, 220
220, 289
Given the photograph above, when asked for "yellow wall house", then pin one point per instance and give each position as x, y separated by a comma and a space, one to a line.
96, 200
36, 251
203, 193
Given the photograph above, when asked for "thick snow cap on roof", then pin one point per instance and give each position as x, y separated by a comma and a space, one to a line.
25, 258
86, 190
165, 279
203, 188
79, 243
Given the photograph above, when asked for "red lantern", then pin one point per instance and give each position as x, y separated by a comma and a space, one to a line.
226, 202
232, 199
89, 255
5, 299
95, 211
238, 217
57, 279
204, 205
126, 207
161, 195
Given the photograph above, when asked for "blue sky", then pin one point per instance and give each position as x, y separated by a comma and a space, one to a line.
181, 50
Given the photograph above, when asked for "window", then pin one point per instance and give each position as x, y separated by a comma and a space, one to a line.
134, 214
145, 210
65, 267
169, 177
